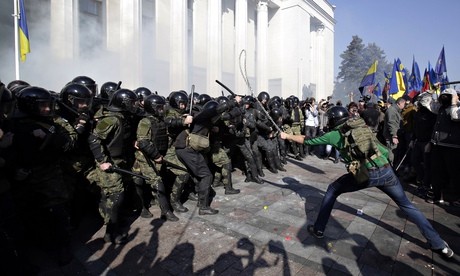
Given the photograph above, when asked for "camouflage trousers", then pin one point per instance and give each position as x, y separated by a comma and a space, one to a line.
223, 163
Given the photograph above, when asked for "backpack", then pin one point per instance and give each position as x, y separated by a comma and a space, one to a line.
361, 145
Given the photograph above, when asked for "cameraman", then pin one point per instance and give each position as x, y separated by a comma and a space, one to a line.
311, 121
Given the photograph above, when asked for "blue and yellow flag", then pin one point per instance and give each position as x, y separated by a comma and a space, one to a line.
24, 45
441, 64
397, 87
369, 78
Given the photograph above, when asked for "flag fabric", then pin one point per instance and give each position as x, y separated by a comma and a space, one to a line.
441, 63
369, 78
426, 84
415, 82
24, 45
404, 72
397, 87
377, 91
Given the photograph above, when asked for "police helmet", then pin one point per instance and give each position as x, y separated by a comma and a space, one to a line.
123, 100
336, 115
203, 99
249, 100
36, 101
14, 84
289, 102
263, 96
88, 82
142, 93
276, 113
154, 104
6, 100
107, 89
76, 95
178, 97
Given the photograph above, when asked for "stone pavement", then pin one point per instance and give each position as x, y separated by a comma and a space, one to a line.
263, 231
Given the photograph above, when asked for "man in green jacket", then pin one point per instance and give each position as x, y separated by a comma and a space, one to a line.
381, 176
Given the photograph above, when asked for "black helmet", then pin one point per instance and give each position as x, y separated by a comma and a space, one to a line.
88, 82
223, 99
142, 93
154, 104
195, 97
263, 96
123, 100
32, 100
76, 95
274, 103
210, 105
276, 113
336, 115
107, 90
178, 97
289, 103
249, 100
203, 99
295, 101
14, 84
6, 101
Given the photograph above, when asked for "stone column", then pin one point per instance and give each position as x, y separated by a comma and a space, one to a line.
261, 62
64, 28
130, 42
214, 45
241, 19
178, 69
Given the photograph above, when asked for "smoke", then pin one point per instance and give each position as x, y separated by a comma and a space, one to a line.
52, 68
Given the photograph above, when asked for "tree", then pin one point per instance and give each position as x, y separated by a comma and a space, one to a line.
349, 74
356, 61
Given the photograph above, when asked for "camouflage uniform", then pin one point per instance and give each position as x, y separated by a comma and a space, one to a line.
152, 141
174, 122
112, 141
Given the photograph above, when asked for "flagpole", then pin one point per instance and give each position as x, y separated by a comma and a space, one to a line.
16, 38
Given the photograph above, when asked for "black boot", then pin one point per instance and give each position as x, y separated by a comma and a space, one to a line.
229, 190
203, 202
271, 162
145, 213
227, 179
278, 164
169, 216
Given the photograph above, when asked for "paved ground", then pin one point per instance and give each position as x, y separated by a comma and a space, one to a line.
262, 231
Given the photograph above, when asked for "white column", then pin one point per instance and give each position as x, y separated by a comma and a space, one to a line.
178, 45
261, 62
130, 42
214, 46
64, 28
241, 19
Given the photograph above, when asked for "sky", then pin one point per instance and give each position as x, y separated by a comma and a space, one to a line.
402, 29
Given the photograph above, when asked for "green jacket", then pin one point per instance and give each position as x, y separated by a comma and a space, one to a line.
337, 140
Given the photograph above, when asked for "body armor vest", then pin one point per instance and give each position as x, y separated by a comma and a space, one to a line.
159, 133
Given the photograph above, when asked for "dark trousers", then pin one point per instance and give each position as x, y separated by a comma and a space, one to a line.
198, 168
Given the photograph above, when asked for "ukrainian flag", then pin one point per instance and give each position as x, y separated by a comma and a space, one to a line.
369, 78
24, 45
397, 87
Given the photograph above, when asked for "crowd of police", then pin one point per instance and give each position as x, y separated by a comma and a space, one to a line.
69, 152
118, 151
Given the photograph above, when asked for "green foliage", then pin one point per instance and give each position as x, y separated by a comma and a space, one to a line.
356, 60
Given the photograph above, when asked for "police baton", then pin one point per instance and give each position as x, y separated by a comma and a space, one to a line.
226, 88
123, 171
174, 166
149, 162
